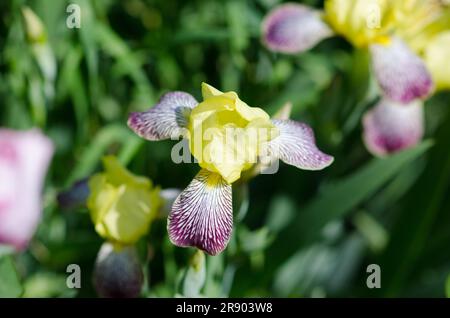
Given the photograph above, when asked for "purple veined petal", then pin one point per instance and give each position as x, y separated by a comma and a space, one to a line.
202, 215
24, 159
296, 146
402, 74
165, 119
390, 127
293, 28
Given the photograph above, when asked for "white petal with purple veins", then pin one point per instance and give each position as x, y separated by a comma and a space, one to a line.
202, 215
296, 146
402, 74
391, 127
293, 28
165, 119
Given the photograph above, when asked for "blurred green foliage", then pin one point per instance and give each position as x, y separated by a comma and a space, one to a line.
296, 233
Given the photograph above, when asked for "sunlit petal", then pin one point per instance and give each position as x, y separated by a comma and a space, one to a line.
437, 57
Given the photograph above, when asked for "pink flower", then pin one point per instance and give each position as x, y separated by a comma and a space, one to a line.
24, 159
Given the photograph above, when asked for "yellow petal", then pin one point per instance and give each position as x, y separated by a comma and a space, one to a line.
417, 21
221, 134
209, 91
122, 205
117, 174
360, 21
437, 56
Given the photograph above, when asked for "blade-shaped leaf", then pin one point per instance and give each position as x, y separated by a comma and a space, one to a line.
10, 285
340, 198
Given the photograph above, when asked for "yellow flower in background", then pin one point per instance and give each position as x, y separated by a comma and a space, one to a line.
364, 22
122, 205
361, 22
226, 135
437, 55
418, 21
408, 42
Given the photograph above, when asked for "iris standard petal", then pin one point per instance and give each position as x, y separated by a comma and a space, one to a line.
402, 74
296, 146
391, 127
165, 119
293, 28
202, 215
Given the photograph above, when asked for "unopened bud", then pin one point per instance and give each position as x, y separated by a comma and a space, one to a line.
118, 272
34, 26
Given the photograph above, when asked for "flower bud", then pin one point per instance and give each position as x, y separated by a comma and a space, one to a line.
118, 272
122, 205
34, 27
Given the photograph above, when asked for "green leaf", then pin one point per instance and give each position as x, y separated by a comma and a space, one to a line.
317, 265
6, 250
236, 13
10, 285
195, 275
282, 210
46, 284
241, 200
253, 241
107, 136
423, 209
342, 197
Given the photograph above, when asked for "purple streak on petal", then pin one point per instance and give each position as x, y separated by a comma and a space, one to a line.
296, 146
202, 215
293, 28
391, 127
24, 159
165, 119
402, 74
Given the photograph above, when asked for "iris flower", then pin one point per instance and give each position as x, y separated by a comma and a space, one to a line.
122, 205
24, 159
408, 41
226, 137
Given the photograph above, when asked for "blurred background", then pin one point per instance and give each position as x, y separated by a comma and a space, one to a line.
296, 233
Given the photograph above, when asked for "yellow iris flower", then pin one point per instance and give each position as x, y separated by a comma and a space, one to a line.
226, 135
436, 56
122, 205
362, 22
420, 23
